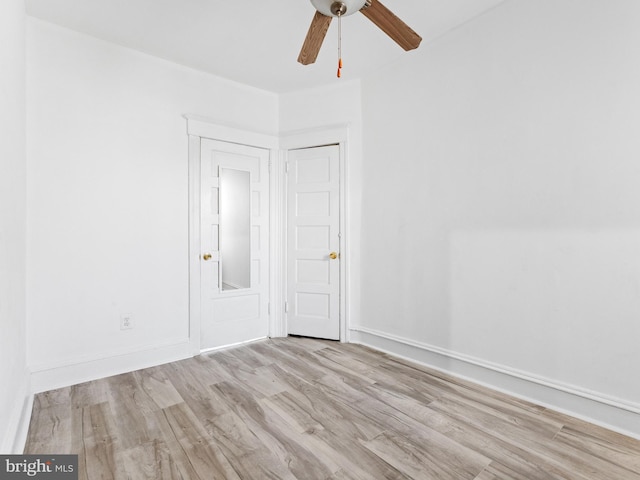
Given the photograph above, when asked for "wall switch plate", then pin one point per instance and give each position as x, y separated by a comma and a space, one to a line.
126, 322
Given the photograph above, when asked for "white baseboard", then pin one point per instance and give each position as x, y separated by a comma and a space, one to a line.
15, 436
609, 412
44, 378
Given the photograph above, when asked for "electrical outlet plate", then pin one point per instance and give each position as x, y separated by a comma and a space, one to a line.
126, 322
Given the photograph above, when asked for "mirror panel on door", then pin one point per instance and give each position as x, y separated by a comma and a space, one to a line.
235, 228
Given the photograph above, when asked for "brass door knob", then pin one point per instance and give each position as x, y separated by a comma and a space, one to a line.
333, 255
206, 256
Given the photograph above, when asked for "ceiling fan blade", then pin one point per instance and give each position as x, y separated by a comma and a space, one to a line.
315, 36
399, 31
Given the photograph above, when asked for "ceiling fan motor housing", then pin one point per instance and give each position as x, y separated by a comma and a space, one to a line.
342, 8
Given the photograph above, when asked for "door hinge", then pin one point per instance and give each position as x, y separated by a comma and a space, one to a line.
269, 166
286, 167
269, 308
286, 307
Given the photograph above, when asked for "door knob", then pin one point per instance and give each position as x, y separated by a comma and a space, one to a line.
333, 255
206, 256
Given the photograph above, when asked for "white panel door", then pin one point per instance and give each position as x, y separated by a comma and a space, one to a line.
313, 259
234, 230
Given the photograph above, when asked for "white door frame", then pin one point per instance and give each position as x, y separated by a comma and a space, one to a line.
336, 135
197, 129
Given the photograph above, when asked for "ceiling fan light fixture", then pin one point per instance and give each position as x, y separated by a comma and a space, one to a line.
375, 11
332, 8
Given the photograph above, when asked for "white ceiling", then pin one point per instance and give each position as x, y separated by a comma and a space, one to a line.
255, 42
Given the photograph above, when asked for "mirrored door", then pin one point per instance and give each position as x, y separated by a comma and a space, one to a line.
234, 243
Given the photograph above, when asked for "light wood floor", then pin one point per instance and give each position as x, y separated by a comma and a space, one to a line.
306, 409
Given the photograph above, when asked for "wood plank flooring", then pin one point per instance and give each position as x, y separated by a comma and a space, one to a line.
298, 408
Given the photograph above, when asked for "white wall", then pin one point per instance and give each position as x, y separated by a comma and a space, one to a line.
316, 109
501, 200
107, 201
13, 372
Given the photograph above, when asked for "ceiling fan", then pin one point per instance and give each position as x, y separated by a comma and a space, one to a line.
375, 11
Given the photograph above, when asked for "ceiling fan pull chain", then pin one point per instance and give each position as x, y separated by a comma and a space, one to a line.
339, 46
